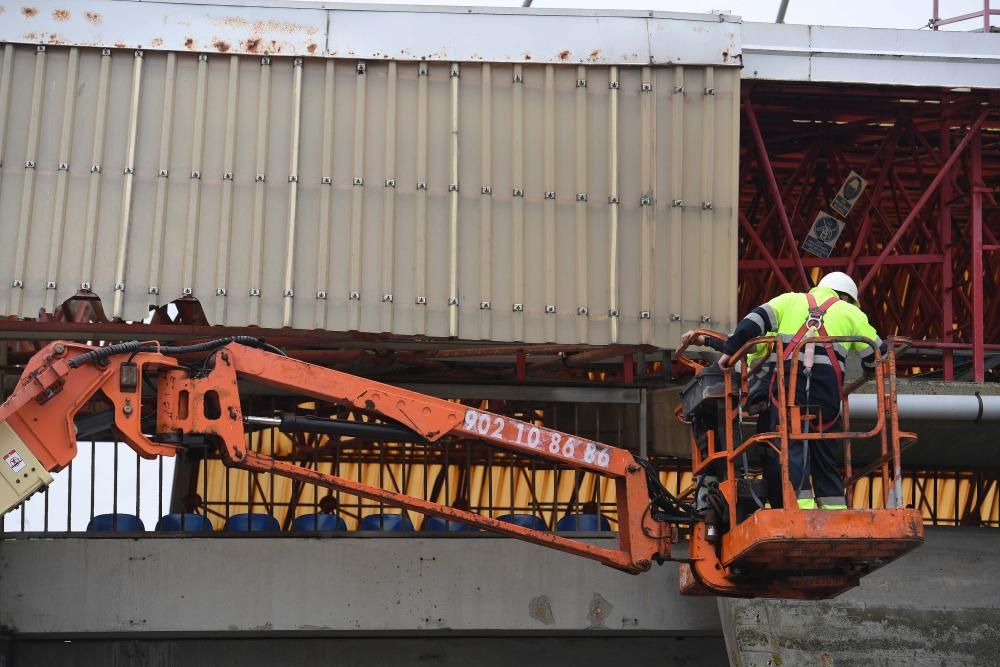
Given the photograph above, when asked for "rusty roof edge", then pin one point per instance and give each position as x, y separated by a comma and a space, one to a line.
341, 30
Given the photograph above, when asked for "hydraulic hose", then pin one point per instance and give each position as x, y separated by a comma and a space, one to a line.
96, 356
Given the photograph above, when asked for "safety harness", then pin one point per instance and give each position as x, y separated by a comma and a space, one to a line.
813, 326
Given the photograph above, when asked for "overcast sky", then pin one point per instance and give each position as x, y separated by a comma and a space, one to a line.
871, 13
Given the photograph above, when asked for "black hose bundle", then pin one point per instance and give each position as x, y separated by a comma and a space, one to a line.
667, 508
134, 346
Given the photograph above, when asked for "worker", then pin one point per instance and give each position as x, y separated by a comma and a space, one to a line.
831, 308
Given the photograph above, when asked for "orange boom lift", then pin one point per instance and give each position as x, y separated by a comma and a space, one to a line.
770, 553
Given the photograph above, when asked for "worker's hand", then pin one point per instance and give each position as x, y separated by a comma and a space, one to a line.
723, 360
690, 337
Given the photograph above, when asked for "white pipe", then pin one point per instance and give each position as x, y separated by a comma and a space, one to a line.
930, 407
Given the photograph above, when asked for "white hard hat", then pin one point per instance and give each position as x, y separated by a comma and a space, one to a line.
840, 282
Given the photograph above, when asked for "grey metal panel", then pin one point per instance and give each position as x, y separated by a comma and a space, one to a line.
446, 34
870, 55
350, 195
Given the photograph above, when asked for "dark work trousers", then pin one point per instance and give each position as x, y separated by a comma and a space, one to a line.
820, 462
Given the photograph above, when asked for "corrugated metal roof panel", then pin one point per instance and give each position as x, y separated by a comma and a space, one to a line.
493, 201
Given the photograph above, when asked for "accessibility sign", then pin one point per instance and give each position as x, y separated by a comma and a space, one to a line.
849, 193
822, 238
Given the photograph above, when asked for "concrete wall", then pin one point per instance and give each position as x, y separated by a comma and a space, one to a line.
76, 586
939, 605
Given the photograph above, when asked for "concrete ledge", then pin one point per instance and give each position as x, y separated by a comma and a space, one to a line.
322, 586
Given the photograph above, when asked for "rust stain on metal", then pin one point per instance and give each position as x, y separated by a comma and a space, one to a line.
30, 36
251, 45
269, 25
60, 14
29, 12
189, 43
156, 41
121, 45
594, 56
94, 17
311, 49
565, 54
221, 45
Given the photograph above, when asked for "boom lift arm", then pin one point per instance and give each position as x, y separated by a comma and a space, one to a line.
38, 428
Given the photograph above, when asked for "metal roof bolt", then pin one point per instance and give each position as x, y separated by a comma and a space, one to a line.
327, 180
153, 290
85, 286
50, 285
421, 185
288, 293
129, 171
387, 298
581, 83
139, 54
518, 307
550, 195
40, 48
254, 291
486, 190
421, 301
358, 180
297, 62
63, 166
678, 90
613, 199
292, 178
259, 178
706, 319
354, 296
550, 309
645, 200
119, 287
17, 284
677, 203
518, 192
196, 175
95, 169
518, 77
453, 187
452, 301
163, 173
455, 72
266, 60
203, 57
706, 206
485, 305
645, 315
422, 70
710, 91
361, 68
646, 87
583, 310
220, 292
29, 164
321, 295
187, 291
581, 196
612, 312
675, 317
390, 182
227, 175
105, 52
613, 85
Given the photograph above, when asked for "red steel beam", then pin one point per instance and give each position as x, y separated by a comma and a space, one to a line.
978, 332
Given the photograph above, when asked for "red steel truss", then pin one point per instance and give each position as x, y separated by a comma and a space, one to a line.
923, 240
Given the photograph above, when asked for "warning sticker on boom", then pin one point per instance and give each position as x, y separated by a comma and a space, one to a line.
14, 460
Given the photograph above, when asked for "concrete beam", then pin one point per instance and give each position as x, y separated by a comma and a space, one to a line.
330, 585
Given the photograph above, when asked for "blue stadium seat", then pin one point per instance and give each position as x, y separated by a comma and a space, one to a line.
119, 523
323, 522
437, 524
591, 522
386, 522
524, 520
253, 523
186, 523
